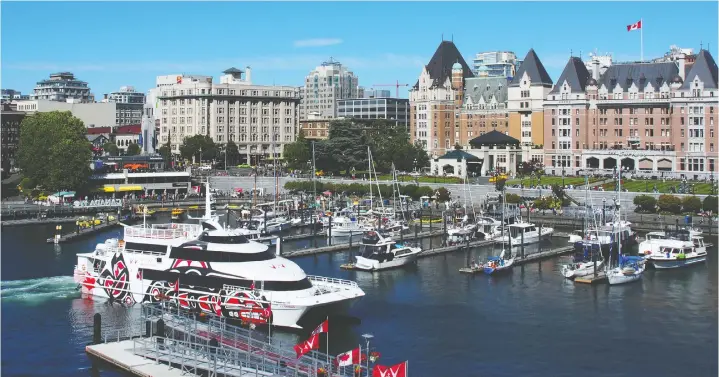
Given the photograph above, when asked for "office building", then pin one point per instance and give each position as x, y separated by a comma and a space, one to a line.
315, 128
129, 105
329, 82
396, 109
260, 119
63, 87
91, 114
9, 95
375, 93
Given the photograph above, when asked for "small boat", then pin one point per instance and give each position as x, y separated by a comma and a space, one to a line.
498, 264
581, 269
530, 231
655, 240
676, 254
378, 252
488, 228
630, 269
344, 226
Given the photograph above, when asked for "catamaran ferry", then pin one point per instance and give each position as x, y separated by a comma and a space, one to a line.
204, 268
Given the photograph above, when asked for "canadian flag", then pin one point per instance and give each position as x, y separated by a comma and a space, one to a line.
399, 370
323, 327
313, 343
635, 26
348, 358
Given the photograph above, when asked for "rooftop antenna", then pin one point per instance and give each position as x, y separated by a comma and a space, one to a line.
442, 37
571, 53
580, 54
701, 45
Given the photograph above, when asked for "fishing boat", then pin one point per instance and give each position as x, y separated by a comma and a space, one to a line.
498, 264
677, 253
378, 252
654, 240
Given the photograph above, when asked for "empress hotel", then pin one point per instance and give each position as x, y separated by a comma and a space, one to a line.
656, 118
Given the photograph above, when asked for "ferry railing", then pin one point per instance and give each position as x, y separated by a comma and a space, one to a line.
324, 279
254, 345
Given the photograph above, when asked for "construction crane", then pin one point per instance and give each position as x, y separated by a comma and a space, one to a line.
396, 85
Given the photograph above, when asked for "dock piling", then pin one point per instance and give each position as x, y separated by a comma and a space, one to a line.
329, 232
97, 329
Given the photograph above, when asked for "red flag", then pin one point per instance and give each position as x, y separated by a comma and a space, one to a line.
399, 370
252, 287
267, 312
323, 327
348, 358
312, 343
635, 26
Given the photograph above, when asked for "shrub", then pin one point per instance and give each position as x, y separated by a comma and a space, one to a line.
513, 198
669, 203
645, 203
710, 204
691, 204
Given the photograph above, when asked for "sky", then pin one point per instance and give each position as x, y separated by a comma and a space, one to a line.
112, 44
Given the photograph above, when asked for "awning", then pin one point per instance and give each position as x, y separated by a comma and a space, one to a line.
130, 188
108, 189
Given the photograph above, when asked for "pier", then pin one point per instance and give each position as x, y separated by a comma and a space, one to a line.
171, 342
59, 238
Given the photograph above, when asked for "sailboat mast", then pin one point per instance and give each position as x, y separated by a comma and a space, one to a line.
369, 167
619, 206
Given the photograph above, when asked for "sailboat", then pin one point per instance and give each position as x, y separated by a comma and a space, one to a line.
498, 264
583, 264
628, 269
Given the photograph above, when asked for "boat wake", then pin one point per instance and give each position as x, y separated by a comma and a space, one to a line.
37, 290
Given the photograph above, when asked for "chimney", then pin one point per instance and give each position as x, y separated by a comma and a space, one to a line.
681, 59
105, 96
595, 68
248, 74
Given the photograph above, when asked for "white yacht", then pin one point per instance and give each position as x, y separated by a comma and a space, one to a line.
344, 226
675, 253
489, 228
630, 269
378, 252
208, 270
654, 240
531, 234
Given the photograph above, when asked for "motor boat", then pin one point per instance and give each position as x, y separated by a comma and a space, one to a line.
530, 231
345, 226
654, 240
675, 253
498, 264
604, 237
379, 252
581, 269
488, 228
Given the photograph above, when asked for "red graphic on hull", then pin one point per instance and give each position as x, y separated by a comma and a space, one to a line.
88, 283
188, 263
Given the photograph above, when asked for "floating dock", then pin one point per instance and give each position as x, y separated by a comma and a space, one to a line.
83, 232
591, 279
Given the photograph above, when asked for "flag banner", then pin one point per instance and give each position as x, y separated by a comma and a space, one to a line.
308, 345
348, 358
635, 26
323, 327
399, 370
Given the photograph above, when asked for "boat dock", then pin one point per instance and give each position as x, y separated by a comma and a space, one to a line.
59, 238
341, 246
591, 279
179, 344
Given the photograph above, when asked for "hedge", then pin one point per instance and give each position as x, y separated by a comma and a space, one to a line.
360, 189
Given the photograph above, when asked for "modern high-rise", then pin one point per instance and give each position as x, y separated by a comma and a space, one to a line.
495, 63
63, 87
9, 95
658, 118
259, 119
129, 105
324, 86
436, 99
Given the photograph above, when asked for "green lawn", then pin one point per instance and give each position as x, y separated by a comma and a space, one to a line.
552, 180
663, 187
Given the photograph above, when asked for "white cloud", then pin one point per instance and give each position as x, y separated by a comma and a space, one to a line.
317, 42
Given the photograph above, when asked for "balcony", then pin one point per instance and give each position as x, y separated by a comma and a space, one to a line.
611, 101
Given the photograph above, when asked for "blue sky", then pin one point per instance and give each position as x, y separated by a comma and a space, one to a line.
111, 44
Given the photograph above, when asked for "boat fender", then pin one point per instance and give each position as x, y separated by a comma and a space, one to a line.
648, 252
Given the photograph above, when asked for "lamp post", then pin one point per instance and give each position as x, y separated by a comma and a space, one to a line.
367, 338
563, 171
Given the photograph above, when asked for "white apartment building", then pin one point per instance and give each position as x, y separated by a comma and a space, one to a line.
324, 86
495, 63
63, 86
260, 119
92, 114
129, 105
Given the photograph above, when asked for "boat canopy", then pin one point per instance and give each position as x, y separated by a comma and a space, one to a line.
494, 258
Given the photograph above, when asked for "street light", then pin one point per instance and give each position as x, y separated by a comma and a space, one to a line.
367, 338
563, 177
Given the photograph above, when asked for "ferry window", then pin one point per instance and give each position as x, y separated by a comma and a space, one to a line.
224, 239
219, 256
288, 285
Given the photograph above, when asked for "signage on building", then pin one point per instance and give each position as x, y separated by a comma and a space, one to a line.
98, 203
179, 185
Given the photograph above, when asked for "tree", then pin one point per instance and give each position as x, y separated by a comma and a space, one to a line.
110, 148
513, 198
710, 204
298, 153
669, 203
53, 150
201, 147
133, 149
443, 195
345, 148
691, 204
645, 203
232, 152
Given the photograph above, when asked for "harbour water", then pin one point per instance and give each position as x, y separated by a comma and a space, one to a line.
530, 322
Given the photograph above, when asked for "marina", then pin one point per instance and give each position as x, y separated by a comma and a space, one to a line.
81, 232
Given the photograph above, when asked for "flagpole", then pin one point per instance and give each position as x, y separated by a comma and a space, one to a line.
641, 38
328, 343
